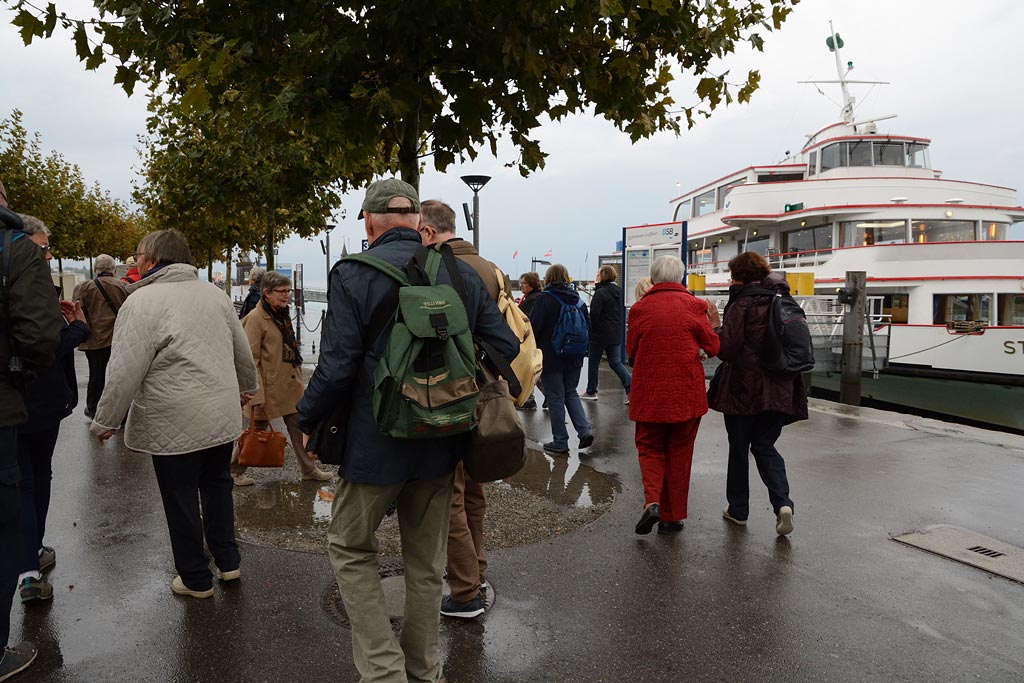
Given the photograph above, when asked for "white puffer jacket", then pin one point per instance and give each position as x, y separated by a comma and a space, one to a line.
178, 363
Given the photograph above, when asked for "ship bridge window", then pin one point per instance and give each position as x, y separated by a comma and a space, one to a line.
682, 211
812, 163
888, 153
724, 190
811, 238
704, 204
860, 152
834, 156
917, 155
942, 231
1011, 309
949, 308
866, 233
779, 177
994, 231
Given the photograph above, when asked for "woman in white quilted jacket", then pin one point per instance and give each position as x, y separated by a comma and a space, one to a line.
180, 367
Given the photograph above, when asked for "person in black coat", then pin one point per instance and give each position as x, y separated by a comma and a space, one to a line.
606, 332
561, 376
531, 287
49, 398
253, 297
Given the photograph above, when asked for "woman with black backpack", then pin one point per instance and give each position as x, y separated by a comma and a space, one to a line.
757, 403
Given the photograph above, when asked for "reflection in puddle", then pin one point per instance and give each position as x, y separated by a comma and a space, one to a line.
277, 504
564, 480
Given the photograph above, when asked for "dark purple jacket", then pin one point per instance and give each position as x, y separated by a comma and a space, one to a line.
741, 386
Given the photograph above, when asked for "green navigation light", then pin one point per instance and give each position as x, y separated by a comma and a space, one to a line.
794, 207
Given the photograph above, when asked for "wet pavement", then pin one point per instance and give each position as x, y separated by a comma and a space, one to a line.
837, 601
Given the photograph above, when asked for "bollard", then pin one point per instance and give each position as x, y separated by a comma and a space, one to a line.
853, 337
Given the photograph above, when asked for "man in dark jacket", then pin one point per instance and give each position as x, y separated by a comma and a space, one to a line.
49, 398
560, 376
377, 469
606, 332
29, 327
253, 297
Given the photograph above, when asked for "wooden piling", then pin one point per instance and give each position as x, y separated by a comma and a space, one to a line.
853, 338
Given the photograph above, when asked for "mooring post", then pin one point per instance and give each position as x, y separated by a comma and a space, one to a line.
853, 336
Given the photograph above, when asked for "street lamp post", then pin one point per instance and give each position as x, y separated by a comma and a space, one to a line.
328, 228
476, 182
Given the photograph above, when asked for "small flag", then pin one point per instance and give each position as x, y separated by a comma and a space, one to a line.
547, 253
515, 254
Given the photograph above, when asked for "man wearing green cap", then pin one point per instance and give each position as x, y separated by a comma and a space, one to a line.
377, 469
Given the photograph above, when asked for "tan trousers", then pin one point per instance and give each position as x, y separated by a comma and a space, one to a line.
467, 566
291, 423
423, 513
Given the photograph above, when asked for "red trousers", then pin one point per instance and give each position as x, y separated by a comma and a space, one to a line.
666, 452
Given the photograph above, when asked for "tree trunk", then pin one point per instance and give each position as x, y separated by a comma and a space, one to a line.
60, 265
409, 149
270, 247
229, 274
209, 266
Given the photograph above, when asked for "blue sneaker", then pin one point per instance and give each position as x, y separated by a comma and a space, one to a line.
462, 610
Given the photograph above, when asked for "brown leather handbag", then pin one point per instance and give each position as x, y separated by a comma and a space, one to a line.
260, 448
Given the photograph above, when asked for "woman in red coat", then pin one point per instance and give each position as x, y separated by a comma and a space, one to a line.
666, 331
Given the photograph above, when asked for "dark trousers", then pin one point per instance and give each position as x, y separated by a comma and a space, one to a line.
97, 376
10, 526
35, 455
614, 352
755, 434
187, 481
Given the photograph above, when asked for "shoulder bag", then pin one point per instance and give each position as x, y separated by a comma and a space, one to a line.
259, 448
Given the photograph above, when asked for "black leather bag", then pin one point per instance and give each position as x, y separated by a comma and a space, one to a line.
328, 438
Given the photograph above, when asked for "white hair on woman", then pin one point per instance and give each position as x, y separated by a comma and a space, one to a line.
104, 264
34, 226
667, 269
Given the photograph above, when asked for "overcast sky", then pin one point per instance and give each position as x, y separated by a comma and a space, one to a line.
948, 63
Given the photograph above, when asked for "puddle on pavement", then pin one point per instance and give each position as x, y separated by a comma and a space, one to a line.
288, 504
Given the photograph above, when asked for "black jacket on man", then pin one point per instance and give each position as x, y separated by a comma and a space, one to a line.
53, 394
250, 301
606, 315
35, 320
344, 369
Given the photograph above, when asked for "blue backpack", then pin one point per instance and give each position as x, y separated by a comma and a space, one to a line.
571, 336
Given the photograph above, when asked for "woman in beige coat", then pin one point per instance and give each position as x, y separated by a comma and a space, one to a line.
279, 365
179, 368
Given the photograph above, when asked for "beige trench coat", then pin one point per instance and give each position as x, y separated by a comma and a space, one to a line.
280, 383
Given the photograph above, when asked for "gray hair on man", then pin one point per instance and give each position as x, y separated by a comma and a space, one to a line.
165, 246
104, 265
439, 215
34, 226
667, 269
256, 274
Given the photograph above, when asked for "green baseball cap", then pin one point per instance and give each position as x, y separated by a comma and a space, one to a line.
383, 191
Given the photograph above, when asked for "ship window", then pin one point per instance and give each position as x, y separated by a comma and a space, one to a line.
682, 211
704, 257
1011, 309
860, 153
779, 177
896, 306
866, 233
948, 308
942, 231
812, 163
834, 156
704, 204
758, 244
888, 153
724, 190
994, 231
813, 238
917, 155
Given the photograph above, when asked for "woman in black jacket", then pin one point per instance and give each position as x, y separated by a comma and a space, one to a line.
606, 332
531, 286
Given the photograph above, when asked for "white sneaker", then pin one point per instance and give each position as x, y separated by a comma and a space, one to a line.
179, 587
588, 397
242, 480
784, 523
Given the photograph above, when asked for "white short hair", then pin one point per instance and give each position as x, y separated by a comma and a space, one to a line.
104, 264
667, 269
34, 226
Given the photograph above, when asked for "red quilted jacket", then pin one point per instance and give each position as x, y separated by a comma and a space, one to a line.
665, 331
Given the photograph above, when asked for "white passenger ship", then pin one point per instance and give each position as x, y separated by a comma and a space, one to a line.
946, 285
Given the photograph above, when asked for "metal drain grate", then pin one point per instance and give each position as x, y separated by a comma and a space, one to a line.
967, 547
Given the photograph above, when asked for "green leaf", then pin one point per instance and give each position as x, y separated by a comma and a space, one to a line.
31, 26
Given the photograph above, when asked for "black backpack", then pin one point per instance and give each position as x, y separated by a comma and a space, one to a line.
787, 347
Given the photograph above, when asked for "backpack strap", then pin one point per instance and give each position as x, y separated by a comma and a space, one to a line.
395, 273
106, 297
